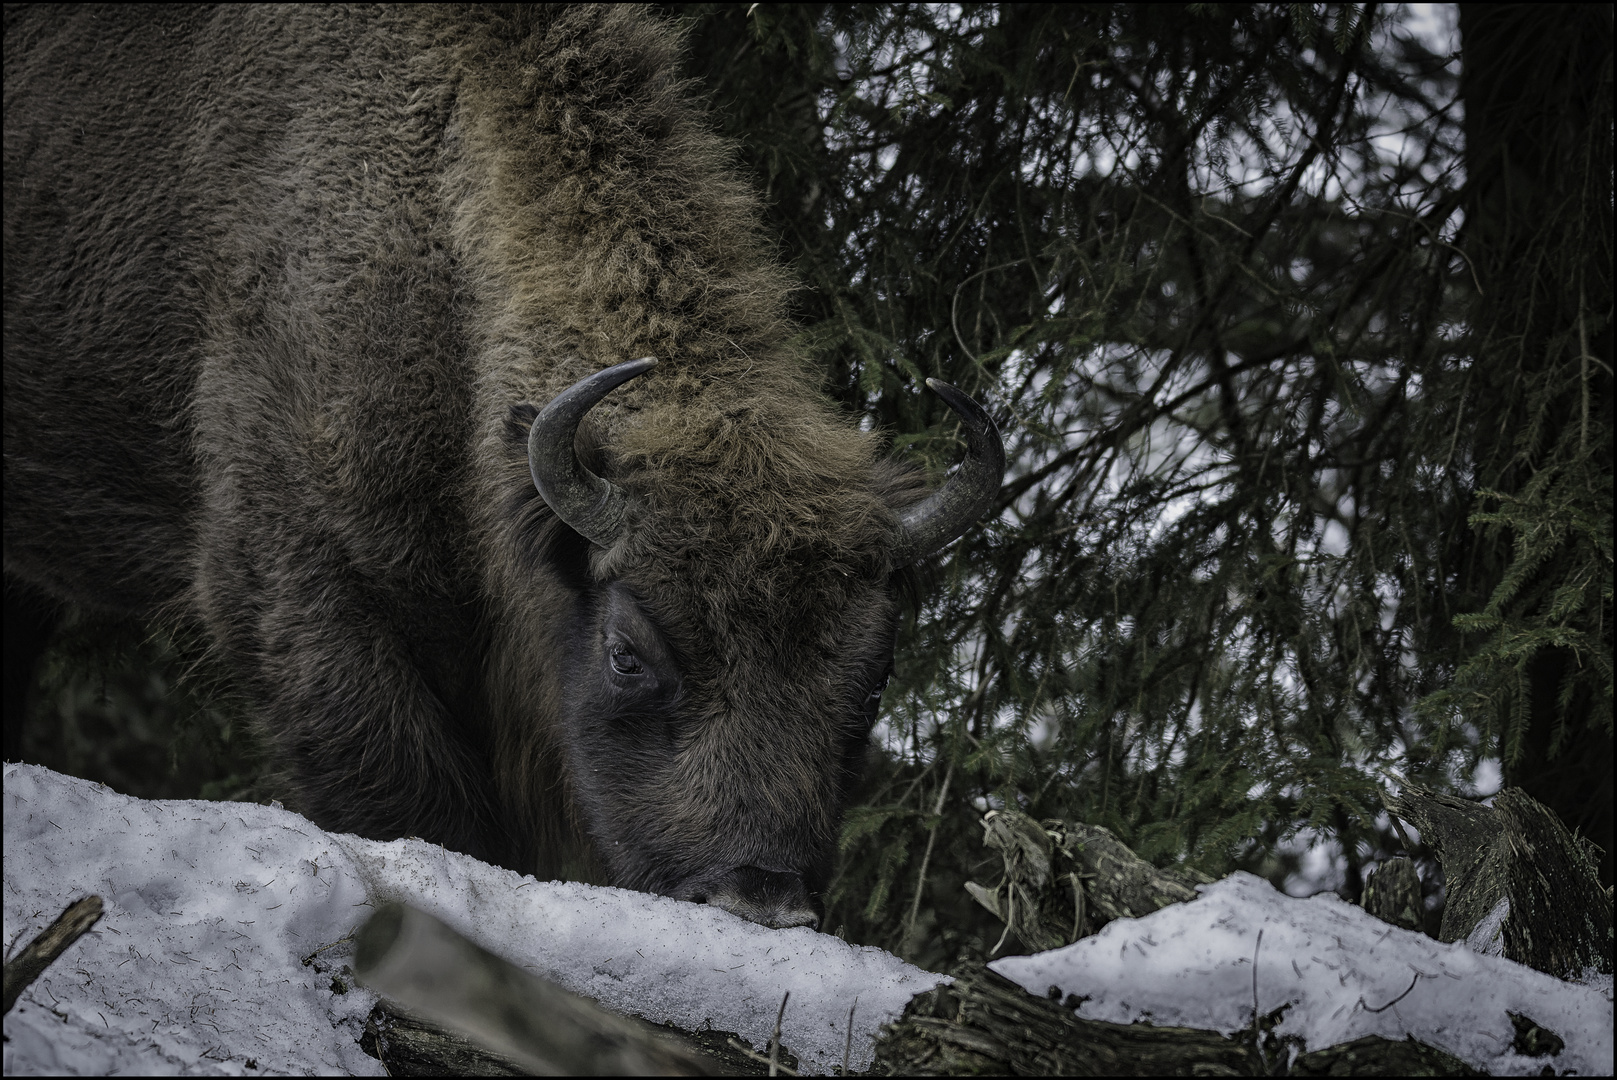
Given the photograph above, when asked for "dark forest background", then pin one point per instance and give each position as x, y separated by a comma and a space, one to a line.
1297, 321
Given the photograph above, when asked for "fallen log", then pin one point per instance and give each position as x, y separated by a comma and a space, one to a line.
411, 1046
986, 1024
983, 1023
1376, 1056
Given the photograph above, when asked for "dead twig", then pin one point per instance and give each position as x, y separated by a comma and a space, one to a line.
1395, 1000
41, 952
774, 1040
926, 859
1257, 1033
847, 1047
742, 1048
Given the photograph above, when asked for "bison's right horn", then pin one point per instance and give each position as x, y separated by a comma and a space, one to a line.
592, 507
956, 506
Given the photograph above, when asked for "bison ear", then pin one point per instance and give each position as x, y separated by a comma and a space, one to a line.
546, 540
562, 551
517, 423
899, 483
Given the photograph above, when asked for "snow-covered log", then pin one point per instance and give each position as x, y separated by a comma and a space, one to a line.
1247, 979
225, 949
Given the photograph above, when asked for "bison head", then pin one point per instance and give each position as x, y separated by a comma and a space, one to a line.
730, 641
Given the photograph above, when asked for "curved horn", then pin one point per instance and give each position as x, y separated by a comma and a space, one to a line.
590, 506
956, 506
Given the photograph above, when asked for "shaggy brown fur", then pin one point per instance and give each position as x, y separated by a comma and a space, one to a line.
275, 279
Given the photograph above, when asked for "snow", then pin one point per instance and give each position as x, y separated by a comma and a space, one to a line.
1334, 965
197, 966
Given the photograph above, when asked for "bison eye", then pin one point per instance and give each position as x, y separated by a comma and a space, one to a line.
873, 702
625, 662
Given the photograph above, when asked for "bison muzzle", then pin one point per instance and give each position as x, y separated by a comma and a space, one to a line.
320, 333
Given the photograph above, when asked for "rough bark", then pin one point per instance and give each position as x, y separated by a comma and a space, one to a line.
1393, 894
411, 1046
985, 1024
1519, 884
1376, 1056
1065, 880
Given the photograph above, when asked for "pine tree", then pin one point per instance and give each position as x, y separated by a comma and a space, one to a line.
1537, 89
1220, 271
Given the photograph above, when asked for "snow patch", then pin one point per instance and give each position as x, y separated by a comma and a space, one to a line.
1340, 972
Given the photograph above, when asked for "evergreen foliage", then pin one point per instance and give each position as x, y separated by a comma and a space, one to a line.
1293, 502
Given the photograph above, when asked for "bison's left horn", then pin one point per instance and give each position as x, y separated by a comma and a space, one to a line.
594, 508
956, 506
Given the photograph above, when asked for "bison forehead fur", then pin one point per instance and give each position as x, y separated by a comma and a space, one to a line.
284, 288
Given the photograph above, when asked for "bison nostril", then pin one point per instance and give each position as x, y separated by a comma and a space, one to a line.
773, 898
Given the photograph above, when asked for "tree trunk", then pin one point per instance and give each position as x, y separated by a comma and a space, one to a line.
1536, 85
1519, 884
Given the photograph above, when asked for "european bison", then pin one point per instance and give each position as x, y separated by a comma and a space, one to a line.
286, 290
